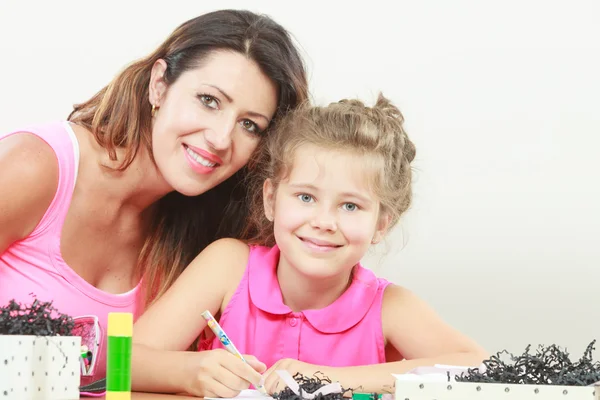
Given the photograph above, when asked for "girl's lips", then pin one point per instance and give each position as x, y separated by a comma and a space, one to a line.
319, 242
319, 245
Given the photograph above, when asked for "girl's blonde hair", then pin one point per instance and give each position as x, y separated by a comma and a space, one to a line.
376, 133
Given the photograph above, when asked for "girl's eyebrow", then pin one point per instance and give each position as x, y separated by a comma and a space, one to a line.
357, 196
303, 186
230, 99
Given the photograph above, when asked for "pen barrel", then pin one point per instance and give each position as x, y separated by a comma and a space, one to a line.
233, 350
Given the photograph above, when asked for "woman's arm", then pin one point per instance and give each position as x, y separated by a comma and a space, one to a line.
29, 180
415, 331
163, 333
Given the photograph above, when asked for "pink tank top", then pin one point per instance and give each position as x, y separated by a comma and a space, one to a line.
35, 266
348, 332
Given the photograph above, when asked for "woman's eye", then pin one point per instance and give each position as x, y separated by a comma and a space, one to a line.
305, 198
350, 207
250, 126
209, 101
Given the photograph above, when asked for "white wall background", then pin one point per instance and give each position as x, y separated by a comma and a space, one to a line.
502, 99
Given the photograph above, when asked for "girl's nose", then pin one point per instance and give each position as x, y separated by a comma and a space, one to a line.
324, 220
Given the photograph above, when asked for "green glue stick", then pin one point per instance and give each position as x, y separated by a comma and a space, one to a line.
118, 356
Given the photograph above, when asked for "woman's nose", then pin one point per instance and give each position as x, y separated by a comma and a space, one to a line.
220, 135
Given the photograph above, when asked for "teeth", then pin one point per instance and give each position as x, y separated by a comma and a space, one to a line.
199, 158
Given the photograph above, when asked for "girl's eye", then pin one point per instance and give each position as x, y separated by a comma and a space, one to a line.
250, 126
209, 101
350, 207
305, 198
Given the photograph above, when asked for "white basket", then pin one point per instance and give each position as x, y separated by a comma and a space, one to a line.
424, 390
39, 367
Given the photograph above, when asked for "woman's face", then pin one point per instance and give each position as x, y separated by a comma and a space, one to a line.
210, 120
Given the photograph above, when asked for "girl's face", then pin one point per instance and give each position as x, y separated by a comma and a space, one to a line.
325, 214
210, 120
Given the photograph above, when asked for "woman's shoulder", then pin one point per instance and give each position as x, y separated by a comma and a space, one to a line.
29, 153
37, 154
29, 178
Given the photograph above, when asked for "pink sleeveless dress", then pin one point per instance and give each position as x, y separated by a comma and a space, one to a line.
348, 332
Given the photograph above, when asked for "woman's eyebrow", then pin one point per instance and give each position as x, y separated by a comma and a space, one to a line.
230, 99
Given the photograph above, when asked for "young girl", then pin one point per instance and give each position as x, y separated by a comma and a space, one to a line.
334, 181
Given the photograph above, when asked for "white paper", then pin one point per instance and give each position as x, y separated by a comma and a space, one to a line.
245, 394
437, 373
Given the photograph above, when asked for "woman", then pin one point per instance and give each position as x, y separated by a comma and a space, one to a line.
144, 174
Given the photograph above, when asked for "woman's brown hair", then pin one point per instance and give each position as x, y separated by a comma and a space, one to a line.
119, 116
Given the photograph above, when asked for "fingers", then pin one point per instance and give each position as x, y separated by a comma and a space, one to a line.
241, 369
229, 383
272, 382
221, 374
218, 390
211, 386
255, 363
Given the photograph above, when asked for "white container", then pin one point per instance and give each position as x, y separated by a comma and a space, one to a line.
39, 367
427, 390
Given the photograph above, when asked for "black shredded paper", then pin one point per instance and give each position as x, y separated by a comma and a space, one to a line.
309, 385
549, 365
37, 319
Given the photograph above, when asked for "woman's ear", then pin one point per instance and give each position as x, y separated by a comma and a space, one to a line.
157, 87
269, 199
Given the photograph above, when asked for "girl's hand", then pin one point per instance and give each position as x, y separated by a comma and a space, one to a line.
218, 373
273, 383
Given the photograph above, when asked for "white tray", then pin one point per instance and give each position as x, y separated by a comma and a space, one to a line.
39, 367
424, 390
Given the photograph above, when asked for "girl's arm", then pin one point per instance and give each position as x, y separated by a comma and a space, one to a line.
163, 333
28, 178
415, 331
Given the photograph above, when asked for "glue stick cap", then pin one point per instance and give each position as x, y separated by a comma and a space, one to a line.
120, 324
